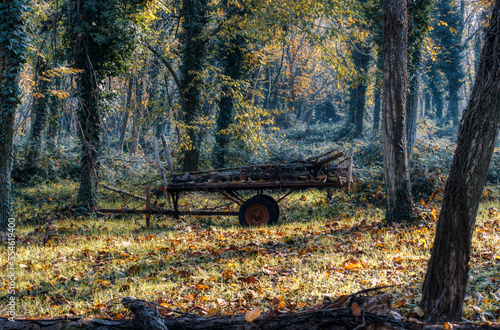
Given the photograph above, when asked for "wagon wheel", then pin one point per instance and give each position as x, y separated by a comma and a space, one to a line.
257, 211
273, 201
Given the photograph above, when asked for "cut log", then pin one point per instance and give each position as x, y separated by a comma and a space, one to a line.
318, 170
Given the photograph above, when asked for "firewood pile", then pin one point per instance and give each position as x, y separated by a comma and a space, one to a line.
318, 168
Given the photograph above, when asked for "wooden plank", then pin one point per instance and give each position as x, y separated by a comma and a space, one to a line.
231, 186
169, 212
123, 192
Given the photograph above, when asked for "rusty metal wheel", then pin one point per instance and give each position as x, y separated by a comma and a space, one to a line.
272, 200
257, 211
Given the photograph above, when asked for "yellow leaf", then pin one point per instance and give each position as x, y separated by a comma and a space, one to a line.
252, 315
434, 214
447, 326
422, 202
211, 312
202, 286
352, 265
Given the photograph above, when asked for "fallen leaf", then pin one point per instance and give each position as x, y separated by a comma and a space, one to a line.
252, 315
249, 279
355, 309
133, 270
419, 311
211, 312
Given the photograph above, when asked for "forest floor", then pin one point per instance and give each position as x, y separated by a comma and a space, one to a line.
319, 250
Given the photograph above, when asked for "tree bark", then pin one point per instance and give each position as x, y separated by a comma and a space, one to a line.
377, 97
397, 178
446, 278
195, 19
427, 103
39, 122
412, 112
12, 50
126, 114
232, 58
55, 111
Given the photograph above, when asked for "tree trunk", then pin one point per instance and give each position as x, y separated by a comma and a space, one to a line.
195, 19
397, 178
89, 120
126, 114
55, 110
12, 50
136, 126
232, 57
427, 103
377, 97
412, 112
39, 122
361, 59
435, 86
446, 278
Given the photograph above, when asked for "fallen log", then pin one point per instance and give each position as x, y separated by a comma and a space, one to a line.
123, 192
307, 320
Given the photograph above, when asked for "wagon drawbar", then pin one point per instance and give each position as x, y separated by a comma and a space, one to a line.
261, 209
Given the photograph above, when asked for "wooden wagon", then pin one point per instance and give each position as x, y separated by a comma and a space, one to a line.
261, 209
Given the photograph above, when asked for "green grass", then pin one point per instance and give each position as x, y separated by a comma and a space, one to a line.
208, 265
204, 265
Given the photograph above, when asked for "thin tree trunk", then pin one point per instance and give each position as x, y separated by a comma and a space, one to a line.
447, 274
397, 178
126, 114
412, 112
55, 110
39, 122
136, 126
377, 104
427, 103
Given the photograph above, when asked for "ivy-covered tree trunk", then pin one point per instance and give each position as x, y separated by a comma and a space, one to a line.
450, 54
39, 122
435, 83
397, 177
232, 58
89, 118
418, 19
101, 42
55, 116
447, 274
194, 49
12, 50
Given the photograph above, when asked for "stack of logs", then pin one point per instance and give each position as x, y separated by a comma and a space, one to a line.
317, 168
